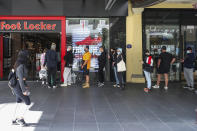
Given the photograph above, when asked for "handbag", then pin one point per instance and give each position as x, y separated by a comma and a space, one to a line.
121, 67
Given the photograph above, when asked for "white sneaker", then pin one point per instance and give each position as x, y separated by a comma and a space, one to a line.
54, 87
166, 88
64, 85
42, 82
69, 84
156, 86
191, 88
49, 87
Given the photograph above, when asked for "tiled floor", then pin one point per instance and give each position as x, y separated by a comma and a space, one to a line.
104, 109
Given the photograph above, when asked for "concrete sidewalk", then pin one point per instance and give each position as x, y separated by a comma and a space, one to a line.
103, 109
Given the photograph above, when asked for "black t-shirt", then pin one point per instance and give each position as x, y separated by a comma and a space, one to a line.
166, 59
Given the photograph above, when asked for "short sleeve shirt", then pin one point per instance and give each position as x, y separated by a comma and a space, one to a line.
166, 59
87, 57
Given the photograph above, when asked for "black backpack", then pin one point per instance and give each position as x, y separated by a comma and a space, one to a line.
12, 80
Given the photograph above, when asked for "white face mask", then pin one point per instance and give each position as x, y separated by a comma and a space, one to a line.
188, 51
118, 53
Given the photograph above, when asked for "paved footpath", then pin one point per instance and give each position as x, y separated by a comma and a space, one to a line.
103, 109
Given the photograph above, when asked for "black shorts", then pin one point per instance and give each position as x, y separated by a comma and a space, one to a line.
86, 71
163, 70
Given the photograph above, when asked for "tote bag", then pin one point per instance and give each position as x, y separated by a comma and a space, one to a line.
121, 67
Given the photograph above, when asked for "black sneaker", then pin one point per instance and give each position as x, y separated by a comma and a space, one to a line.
21, 122
14, 122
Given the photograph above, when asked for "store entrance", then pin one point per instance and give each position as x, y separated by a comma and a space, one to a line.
34, 43
164, 35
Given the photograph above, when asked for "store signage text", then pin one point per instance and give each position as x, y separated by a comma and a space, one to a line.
27, 26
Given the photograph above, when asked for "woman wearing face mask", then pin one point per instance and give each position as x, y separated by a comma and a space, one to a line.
148, 69
120, 74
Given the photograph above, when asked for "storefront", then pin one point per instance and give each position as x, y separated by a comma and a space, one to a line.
37, 33
174, 28
34, 34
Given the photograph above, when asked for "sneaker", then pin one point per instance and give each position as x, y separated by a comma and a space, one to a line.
49, 87
116, 85
64, 85
42, 82
186, 87
69, 84
146, 90
87, 85
21, 122
166, 88
191, 88
54, 87
156, 86
101, 84
14, 122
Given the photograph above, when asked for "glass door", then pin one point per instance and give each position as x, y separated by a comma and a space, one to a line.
164, 35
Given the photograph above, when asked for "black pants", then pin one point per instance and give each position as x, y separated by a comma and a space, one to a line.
121, 79
19, 95
101, 75
51, 76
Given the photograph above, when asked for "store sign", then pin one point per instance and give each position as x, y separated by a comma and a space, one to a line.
30, 26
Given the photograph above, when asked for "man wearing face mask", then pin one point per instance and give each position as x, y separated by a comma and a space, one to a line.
86, 66
68, 67
189, 68
102, 62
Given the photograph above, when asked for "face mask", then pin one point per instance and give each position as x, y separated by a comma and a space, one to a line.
118, 53
188, 51
147, 54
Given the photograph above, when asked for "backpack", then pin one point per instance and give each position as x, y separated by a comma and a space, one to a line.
12, 80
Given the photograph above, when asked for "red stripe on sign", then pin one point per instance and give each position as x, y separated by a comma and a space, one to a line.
1, 56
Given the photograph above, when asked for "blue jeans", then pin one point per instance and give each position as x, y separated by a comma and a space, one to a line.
148, 79
116, 76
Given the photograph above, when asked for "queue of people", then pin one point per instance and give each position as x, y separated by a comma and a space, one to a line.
163, 65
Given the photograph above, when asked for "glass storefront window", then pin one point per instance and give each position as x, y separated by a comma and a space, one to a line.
92, 32
164, 35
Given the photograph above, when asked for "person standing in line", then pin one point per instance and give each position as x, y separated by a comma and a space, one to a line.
148, 69
86, 66
164, 62
189, 69
42, 60
102, 62
51, 61
68, 58
21, 90
114, 66
120, 74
